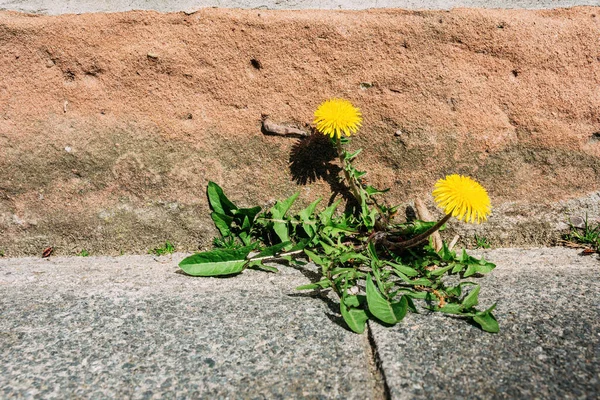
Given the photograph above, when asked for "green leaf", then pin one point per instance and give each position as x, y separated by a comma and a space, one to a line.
259, 265
278, 212
372, 191
316, 259
405, 269
351, 156
323, 284
326, 215
447, 254
282, 207
216, 262
440, 271
487, 321
334, 229
306, 216
356, 173
251, 213
245, 232
381, 308
373, 252
351, 255
481, 267
356, 318
421, 282
457, 267
451, 308
471, 300
222, 222
298, 246
327, 248
219, 203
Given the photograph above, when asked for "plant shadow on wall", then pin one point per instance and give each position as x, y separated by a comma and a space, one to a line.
313, 158
378, 268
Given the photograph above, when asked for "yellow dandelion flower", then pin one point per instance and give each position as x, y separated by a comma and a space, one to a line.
462, 197
337, 116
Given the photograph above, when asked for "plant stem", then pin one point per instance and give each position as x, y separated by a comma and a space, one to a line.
275, 257
349, 179
419, 238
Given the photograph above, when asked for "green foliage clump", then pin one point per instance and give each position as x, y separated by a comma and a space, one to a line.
377, 267
588, 235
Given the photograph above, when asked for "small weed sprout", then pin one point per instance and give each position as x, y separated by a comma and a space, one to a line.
378, 267
167, 248
481, 242
83, 253
588, 235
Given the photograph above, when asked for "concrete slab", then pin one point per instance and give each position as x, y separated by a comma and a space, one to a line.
54, 7
548, 346
132, 327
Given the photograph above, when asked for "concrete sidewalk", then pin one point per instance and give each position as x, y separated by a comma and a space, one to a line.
134, 327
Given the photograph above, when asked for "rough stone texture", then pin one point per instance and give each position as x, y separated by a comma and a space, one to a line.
132, 327
54, 7
111, 125
548, 346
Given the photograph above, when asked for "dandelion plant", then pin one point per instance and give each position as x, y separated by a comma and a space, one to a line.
379, 268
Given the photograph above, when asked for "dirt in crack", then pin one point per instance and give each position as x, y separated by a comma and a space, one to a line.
380, 388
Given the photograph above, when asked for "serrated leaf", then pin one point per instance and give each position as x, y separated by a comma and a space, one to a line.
306, 216
327, 248
355, 318
326, 215
334, 229
282, 207
447, 254
472, 299
222, 222
219, 203
372, 191
457, 268
471, 270
245, 232
381, 308
357, 174
278, 212
351, 156
216, 262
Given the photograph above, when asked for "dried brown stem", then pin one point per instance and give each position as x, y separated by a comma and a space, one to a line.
270, 128
424, 215
417, 239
